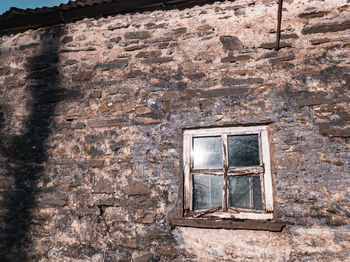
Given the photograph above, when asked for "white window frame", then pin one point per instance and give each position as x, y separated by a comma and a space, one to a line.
264, 169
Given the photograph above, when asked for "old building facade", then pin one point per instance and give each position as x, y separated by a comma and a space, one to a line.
93, 113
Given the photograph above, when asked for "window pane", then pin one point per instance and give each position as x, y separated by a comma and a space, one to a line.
207, 153
239, 191
243, 150
257, 199
207, 191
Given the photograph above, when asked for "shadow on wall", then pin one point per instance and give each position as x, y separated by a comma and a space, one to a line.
25, 155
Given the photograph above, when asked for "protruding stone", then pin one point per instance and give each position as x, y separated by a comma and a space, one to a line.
272, 45
67, 39
313, 14
230, 59
231, 43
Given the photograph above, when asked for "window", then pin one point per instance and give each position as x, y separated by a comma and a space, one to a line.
227, 173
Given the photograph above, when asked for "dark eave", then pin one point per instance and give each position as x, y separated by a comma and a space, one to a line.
17, 20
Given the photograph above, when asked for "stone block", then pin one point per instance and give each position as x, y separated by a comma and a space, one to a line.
96, 123
103, 186
134, 48
77, 125
137, 35
109, 201
4, 70
148, 54
168, 251
96, 94
326, 27
147, 120
195, 76
82, 76
70, 62
137, 188
144, 258
328, 130
289, 36
115, 214
117, 63
157, 60
56, 201
144, 216
280, 59
228, 81
180, 31
115, 39
29, 46
220, 92
92, 163
85, 211
288, 161
129, 243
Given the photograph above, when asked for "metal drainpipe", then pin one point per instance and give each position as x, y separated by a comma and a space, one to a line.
279, 20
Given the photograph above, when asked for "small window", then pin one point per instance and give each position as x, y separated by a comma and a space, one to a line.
227, 173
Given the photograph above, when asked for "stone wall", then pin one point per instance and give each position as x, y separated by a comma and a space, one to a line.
92, 114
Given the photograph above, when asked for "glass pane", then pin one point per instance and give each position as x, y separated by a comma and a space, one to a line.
239, 192
207, 153
207, 191
257, 199
243, 150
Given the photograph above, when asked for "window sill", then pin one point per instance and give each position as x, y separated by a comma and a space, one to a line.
228, 224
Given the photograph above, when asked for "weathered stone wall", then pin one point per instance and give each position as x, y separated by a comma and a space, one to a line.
92, 113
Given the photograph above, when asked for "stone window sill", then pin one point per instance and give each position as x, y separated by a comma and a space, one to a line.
228, 224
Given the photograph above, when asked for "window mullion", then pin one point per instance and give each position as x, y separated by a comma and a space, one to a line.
225, 176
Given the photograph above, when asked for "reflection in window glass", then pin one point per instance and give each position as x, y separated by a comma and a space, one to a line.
207, 191
207, 153
243, 150
239, 191
245, 192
